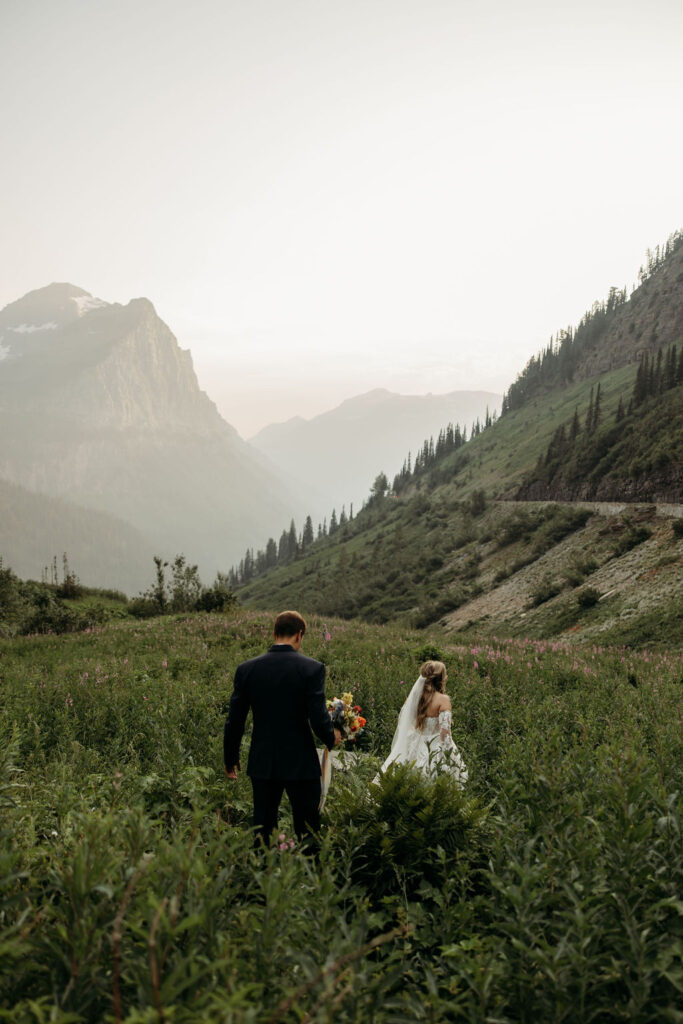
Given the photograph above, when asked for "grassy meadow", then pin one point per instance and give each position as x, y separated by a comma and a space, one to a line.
547, 890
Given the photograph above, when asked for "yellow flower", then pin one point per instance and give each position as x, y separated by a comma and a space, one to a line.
347, 697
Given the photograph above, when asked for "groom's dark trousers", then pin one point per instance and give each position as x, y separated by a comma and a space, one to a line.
285, 691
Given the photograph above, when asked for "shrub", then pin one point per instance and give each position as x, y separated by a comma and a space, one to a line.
405, 829
544, 592
558, 524
218, 598
677, 527
518, 526
635, 535
143, 608
428, 653
588, 597
476, 503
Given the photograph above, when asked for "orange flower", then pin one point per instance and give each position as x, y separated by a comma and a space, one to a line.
361, 721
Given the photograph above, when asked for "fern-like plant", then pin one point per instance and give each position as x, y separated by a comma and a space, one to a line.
397, 826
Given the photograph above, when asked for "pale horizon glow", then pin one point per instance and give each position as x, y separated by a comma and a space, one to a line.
323, 199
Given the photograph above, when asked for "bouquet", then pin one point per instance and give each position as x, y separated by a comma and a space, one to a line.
346, 716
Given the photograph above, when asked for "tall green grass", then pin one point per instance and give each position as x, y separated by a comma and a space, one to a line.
549, 889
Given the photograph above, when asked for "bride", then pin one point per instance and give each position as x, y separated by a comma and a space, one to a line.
423, 734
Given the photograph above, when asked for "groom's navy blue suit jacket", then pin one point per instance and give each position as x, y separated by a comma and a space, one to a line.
285, 691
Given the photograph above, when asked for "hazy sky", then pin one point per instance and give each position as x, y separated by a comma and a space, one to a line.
325, 196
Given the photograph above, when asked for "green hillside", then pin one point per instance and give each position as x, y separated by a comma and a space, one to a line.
431, 543
442, 544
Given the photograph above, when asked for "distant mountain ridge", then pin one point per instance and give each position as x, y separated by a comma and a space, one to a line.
100, 405
339, 453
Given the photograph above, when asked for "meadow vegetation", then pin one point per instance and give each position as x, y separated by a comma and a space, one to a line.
549, 889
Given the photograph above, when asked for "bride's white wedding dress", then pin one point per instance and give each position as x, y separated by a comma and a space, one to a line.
431, 748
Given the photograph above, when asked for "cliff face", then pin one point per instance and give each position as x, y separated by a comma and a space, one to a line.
663, 486
100, 405
109, 366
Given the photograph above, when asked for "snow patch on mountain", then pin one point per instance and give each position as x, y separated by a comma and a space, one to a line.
85, 303
31, 328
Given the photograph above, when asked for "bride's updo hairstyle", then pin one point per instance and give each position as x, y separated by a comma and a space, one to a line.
434, 675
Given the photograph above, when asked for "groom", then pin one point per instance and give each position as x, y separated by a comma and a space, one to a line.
285, 691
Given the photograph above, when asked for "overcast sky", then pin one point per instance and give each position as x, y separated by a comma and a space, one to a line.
325, 196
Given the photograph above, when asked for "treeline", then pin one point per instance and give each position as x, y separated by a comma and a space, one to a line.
291, 545
182, 591
657, 375
294, 544
450, 440
64, 605
557, 363
578, 448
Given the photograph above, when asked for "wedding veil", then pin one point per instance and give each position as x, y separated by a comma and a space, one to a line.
406, 726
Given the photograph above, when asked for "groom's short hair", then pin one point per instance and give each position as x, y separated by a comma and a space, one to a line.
289, 624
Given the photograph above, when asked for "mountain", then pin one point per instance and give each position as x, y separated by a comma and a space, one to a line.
100, 405
597, 416
101, 549
337, 455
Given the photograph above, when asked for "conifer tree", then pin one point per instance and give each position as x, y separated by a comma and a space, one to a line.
640, 386
589, 414
271, 553
596, 408
576, 425
307, 536
333, 523
651, 389
658, 382
292, 542
671, 367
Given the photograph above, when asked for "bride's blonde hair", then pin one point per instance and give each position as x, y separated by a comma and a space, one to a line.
434, 675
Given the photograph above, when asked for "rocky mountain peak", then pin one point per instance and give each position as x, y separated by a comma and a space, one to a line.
100, 404
48, 309
69, 356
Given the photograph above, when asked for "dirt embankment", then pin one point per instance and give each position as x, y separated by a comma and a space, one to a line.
629, 580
